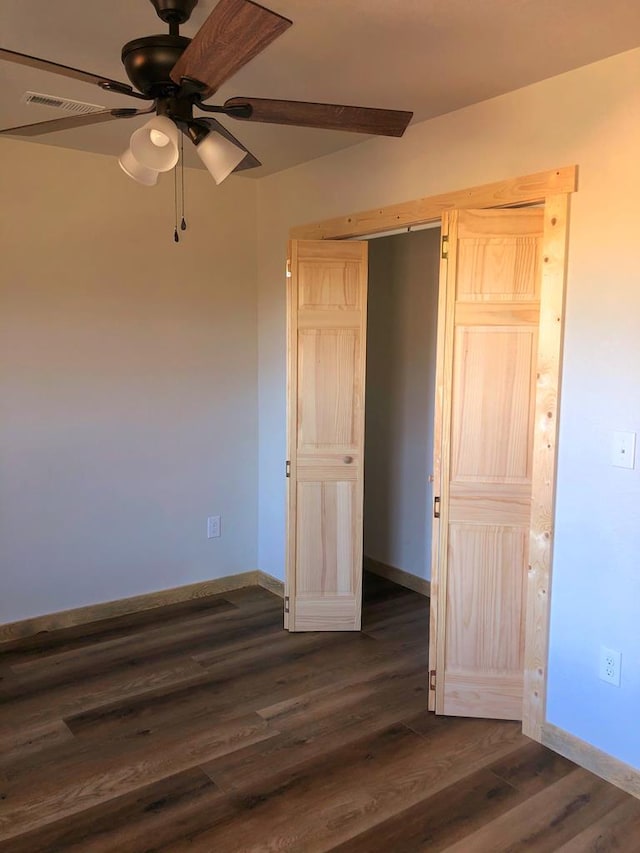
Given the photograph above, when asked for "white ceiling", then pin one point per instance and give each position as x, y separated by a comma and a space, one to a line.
429, 56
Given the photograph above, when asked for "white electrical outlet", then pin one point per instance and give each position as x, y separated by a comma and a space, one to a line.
213, 527
610, 661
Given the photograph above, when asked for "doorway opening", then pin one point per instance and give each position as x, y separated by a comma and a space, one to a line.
326, 332
399, 406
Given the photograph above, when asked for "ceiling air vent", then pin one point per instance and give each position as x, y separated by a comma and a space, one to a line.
65, 104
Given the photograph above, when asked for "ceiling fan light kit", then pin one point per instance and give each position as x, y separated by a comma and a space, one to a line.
155, 144
218, 154
178, 74
131, 167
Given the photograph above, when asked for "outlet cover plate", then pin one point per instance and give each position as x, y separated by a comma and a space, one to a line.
610, 663
623, 450
213, 527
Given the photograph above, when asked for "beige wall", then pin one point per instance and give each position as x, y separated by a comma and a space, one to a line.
401, 352
590, 117
128, 381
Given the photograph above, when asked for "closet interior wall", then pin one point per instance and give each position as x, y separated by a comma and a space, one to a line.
401, 356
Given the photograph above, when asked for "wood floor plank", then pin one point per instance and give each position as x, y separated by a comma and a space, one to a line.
152, 645
543, 823
380, 775
253, 647
344, 719
388, 606
8, 682
618, 831
410, 629
373, 685
154, 814
457, 811
207, 727
225, 688
46, 643
120, 670
33, 794
395, 610
256, 597
33, 711
437, 821
23, 742
532, 768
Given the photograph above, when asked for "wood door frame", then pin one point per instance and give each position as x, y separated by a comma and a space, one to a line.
552, 188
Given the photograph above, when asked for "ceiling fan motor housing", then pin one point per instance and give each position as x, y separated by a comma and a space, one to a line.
174, 11
148, 62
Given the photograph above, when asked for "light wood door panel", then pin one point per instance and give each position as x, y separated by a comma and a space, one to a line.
325, 544
495, 265
327, 299
484, 580
328, 360
493, 389
490, 316
328, 286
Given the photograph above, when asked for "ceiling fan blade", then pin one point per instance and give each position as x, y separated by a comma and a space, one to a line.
248, 162
69, 122
64, 71
327, 116
235, 32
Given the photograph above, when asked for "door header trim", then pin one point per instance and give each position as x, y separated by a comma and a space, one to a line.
528, 189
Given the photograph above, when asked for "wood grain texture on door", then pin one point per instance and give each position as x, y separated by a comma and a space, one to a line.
491, 314
326, 335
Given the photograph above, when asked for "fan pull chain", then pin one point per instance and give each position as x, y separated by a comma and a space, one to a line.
176, 236
183, 224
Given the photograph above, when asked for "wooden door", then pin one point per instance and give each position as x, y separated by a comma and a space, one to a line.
327, 310
489, 315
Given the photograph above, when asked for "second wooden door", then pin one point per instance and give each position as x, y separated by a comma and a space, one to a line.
489, 315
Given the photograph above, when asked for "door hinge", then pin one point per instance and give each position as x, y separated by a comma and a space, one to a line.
436, 507
287, 469
432, 680
288, 267
445, 245
286, 604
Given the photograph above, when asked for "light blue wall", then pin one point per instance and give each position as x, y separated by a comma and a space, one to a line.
596, 580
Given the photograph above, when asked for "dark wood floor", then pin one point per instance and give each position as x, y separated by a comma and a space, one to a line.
206, 727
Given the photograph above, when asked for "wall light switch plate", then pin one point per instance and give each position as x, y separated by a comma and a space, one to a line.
623, 450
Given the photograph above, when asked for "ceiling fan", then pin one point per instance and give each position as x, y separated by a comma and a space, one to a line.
177, 74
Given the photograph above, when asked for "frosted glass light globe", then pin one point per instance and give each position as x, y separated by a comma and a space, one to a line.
159, 138
135, 170
219, 155
155, 144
